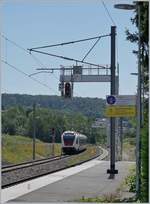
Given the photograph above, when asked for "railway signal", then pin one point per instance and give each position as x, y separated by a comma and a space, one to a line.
67, 90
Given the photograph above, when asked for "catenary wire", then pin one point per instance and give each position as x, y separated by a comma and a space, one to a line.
112, 20
22, 48
108, 13
35, 58
6, 48
24, 73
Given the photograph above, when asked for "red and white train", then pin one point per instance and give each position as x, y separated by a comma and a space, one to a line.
73, 142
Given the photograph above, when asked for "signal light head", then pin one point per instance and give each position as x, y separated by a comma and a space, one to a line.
67, 90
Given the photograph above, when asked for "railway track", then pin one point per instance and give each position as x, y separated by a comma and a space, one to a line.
15, 174
11, 167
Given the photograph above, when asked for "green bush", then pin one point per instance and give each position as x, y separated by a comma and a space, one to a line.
145, 162
131, 182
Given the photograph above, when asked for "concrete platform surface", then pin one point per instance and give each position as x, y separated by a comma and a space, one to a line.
89, 183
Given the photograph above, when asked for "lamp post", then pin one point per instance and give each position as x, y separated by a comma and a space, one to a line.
138, 141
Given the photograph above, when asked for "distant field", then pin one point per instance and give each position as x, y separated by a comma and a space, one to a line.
16, 149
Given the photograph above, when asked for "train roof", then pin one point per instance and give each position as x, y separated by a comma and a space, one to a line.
69, 131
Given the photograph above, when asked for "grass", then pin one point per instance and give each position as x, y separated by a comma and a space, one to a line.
130, 180
16, 149
103, 199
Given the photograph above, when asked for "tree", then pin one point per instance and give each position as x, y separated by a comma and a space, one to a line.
144, 40
144, 59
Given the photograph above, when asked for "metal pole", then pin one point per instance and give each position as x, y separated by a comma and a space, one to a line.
142, 98
121, 138
34, 130
112, 171
118, 152
138, 142
117, 138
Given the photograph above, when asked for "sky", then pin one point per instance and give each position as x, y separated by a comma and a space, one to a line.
45, 22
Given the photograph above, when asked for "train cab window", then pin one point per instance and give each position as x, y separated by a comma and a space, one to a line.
68, 138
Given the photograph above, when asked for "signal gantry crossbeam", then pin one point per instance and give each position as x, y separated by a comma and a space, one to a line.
77, 73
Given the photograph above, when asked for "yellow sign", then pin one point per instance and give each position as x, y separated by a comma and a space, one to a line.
120, 111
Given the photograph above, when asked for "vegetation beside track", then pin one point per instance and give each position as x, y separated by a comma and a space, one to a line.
17, 149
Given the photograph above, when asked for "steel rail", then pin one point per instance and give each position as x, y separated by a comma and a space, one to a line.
31, 163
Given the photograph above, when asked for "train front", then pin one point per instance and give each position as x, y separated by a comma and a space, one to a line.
68, 140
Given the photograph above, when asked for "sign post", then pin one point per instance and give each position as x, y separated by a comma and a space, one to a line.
112, 171
121, 106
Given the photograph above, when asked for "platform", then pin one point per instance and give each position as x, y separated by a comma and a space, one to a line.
87, 180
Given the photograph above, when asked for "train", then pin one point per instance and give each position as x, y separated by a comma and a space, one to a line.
73, 142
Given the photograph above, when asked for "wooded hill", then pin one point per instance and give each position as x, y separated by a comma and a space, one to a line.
76, 114
90, 107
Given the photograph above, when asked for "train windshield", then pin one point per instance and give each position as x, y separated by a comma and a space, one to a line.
68, 138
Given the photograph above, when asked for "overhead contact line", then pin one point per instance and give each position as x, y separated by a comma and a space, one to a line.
22, 72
